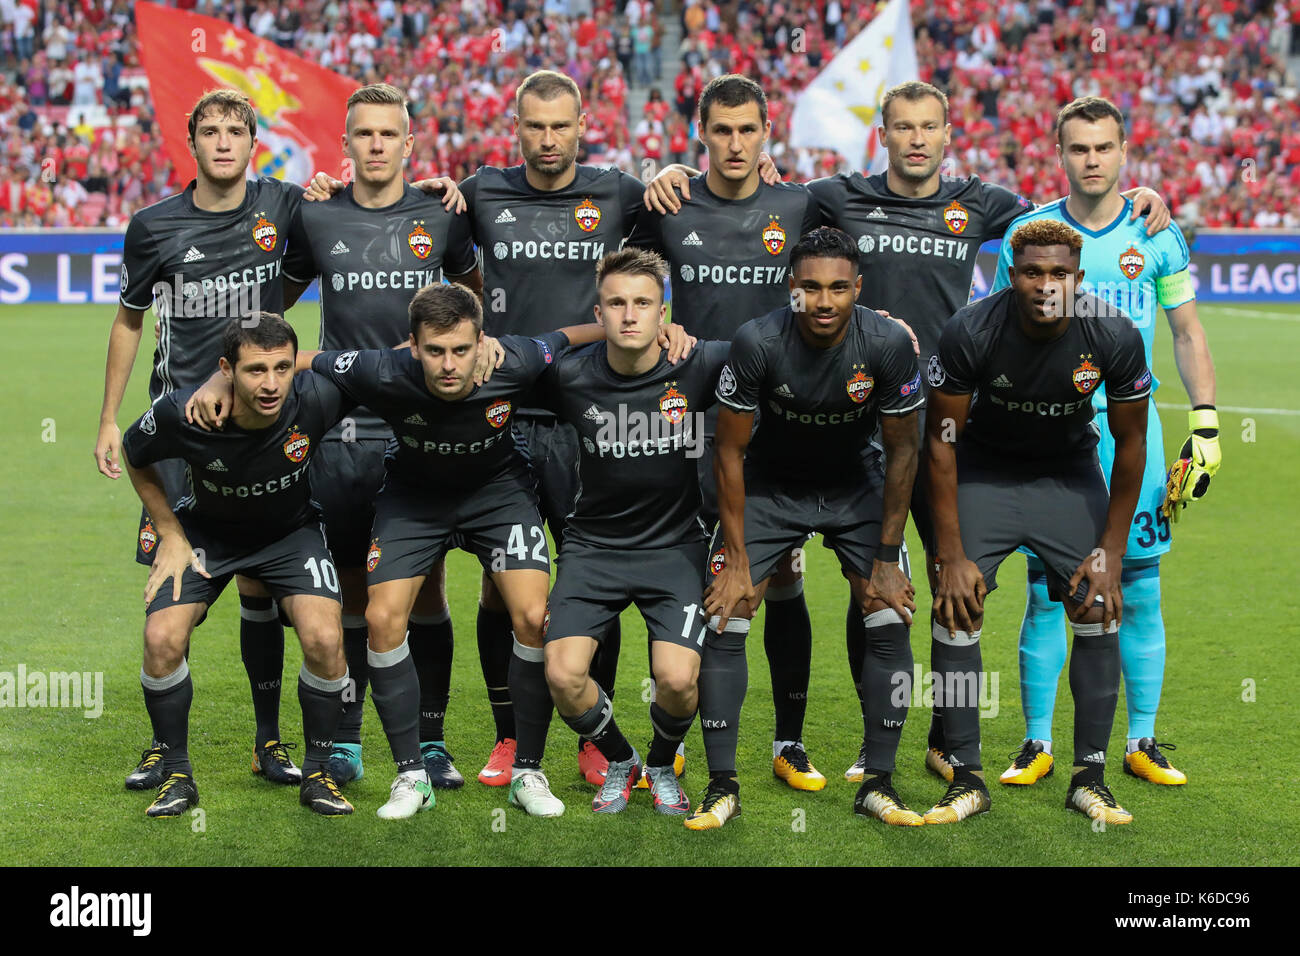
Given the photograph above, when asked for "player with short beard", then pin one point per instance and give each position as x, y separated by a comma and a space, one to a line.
249, 512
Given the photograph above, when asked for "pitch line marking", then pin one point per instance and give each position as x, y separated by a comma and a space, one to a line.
1253, 313
1239, 409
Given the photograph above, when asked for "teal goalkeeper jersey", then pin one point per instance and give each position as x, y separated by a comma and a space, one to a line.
1130, 270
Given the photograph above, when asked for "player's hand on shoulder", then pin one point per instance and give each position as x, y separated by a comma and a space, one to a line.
959, 595
108, 450
677, 341
1149, 203
661, 192
174, 556
322, 187
767, 170
1101, 570
916, 345
209, 406
729, 589
490, 357
453, 200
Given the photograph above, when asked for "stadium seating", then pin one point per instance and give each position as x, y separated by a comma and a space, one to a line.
1214, 116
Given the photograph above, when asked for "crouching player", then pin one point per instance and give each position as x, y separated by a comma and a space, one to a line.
1023, 470
635, 534
250, 512
823, 372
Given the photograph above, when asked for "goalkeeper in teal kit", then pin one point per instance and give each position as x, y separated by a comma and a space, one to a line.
1135, 274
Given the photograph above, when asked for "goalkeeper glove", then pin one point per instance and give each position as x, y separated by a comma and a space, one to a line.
1189, 476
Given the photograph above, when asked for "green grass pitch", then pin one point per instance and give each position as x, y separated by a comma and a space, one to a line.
72, 601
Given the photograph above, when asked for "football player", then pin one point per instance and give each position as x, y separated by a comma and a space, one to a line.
635, 535
824, 374
1013, 461
250, 512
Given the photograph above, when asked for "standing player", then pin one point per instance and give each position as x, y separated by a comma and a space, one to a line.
823, 376
1133, 272
373, 245
249, 511
1023, 470
541, 226
728, 247
635, 535
202, 256
917, 233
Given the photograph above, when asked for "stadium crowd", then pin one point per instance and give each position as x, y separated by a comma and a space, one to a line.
1214, 118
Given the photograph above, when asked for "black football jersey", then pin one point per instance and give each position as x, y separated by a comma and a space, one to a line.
248, 487
200, 269
539, 249
917, 255
371, 262
639, 439
437, 443
729, 259
817, 408
1033, 400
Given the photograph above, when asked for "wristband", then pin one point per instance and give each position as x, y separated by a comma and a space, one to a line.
1204, 417
887, 554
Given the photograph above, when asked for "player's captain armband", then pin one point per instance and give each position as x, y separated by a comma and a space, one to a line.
1174, 290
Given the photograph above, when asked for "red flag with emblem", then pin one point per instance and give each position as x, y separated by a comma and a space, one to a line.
300, 105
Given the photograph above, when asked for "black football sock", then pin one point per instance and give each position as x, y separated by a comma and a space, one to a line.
604, 665
957, 664
886, 686
396, 692
532, 704
261, 645
598, 726
855, 639
669, 731
354, 696
321, 700
787, 638
935, 740
1094, 683
725, 781
724, 678
431, 646
168, 699
495, 640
